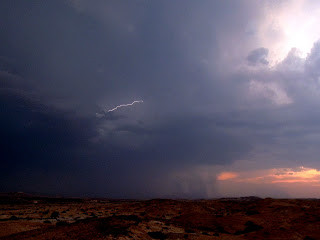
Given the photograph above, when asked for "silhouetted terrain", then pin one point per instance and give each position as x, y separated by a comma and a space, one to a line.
24, 216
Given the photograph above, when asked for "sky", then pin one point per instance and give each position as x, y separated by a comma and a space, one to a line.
169, 99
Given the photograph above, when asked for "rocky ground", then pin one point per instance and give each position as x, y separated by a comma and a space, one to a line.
24, 216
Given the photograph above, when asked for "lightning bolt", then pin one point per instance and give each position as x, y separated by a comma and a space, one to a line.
103, 112
124, 105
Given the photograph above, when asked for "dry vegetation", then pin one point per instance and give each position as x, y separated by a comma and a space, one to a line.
29, 217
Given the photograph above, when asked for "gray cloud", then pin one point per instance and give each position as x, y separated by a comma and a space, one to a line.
258, 56
313, 62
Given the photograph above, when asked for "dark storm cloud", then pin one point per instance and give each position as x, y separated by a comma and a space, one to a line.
63, 63
43, 142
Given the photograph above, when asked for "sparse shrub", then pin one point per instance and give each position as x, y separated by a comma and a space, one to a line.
309, 238
206, 229
250, 227
105, 227
252, 212
221, 229
157, 235
130, 217
62, 223
55, 214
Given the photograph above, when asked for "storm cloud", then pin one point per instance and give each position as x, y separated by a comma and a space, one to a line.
214, 95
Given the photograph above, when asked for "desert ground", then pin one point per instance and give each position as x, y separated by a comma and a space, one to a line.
24, 216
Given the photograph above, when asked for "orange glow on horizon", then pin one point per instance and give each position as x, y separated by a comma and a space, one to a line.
226, 175
273, 176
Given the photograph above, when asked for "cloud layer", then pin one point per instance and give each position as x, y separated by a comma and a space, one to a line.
216, 92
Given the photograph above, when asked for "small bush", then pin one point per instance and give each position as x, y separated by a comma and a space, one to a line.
62, 223
105, 227
157, 235
221, 229
252, 212
129, 218
309, 238
55, 214
250, 227
206, 229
